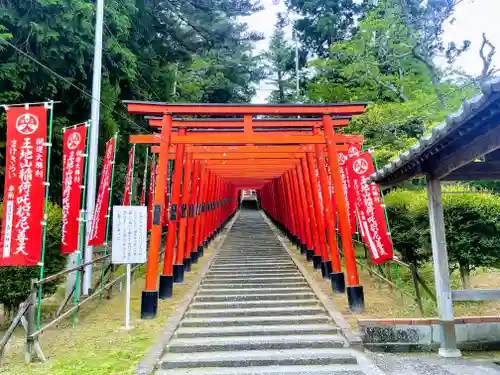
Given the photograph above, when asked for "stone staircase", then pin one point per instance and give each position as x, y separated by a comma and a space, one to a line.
255, 314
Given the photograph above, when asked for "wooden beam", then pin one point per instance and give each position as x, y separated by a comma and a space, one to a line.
476, 295
238, 123
155, 108
248, 149
475, 171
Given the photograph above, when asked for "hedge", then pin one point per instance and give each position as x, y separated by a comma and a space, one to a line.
472, 224
15, 281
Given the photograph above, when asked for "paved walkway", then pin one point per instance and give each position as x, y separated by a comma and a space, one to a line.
255, 313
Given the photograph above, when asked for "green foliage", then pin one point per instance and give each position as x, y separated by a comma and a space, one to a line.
472, 224
15, 282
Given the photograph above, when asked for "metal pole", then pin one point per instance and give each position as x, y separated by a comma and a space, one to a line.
94, 139
297, 87
127, 297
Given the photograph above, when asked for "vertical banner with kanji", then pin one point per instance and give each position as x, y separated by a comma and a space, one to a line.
346, 184
144, 179
23, 209
127, 195
97, 233
74, 141
152, 181
371, 216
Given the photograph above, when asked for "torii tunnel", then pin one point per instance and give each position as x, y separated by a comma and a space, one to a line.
287, 153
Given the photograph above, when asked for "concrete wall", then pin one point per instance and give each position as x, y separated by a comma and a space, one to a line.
399, 335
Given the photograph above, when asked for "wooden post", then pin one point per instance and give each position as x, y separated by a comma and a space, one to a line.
448, 346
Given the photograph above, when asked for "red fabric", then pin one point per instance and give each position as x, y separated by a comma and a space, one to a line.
128, 178
371, 215
74, 141
21, 241
346, 184
98, 226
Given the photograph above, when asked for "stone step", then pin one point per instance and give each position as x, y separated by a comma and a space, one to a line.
254, 311
217, 344
281, 267
254, 274
281, 290
239, 321
253, 297
211, 285
282, 263
258, 276
257, 330
270, 370
248, 304
244, 280
287, 357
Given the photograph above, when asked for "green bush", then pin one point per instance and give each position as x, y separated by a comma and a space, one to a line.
15, 281
472, 223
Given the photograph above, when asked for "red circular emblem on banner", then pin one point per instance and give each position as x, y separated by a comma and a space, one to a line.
342, 159
27, 123
360, 166
353, 151
73, 141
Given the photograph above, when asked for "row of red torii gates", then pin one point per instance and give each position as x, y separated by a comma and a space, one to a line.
220, 149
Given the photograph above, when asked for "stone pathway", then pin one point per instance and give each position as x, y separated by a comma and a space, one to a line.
256, 314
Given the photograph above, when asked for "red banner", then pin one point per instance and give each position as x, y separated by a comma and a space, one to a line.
128, 178
23, 203
73, 162
371, 216
153, 170
346, 184
144, 184
97, 234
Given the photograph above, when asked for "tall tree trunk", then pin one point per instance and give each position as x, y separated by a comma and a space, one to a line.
280, 87
465, 275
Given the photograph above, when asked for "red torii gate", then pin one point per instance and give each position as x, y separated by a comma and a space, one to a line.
220, 156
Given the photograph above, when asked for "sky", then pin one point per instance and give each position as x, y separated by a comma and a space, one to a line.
471, 19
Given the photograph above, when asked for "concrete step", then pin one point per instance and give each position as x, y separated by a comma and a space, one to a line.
245, 280
247, 291
216, 344
254, 274
257, 330
287, 357
238, 265
270, 370
280, 267
248, 304
221, 297
257, 277
254, 311
252, 286
239, 321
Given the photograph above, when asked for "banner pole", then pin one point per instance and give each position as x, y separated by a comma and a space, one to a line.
48, 144
110, 203
81, 222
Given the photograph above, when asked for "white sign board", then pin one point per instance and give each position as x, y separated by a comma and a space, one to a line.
129, 234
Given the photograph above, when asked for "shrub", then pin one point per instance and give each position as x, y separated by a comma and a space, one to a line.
472, 223
15, 282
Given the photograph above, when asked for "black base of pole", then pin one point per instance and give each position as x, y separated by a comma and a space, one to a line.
356, 299
337, 280
201, 251
187, 264
309, 255
178, 273
166, 286
326, 269
205, 243
149, 304
317, 262
303, 248
194, 257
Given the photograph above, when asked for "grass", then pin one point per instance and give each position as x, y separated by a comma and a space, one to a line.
382, 301
98, 345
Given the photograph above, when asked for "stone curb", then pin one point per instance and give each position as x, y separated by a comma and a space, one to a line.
354, 340
152, 356
425, 321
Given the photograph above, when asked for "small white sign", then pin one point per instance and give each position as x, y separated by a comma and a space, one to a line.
129, 235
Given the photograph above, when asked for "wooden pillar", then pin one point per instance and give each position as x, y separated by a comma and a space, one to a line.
448, 347
355, 294
149, 301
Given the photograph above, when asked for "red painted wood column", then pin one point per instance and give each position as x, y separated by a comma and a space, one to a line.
299, 185
149, 298
355, 293
315, 255
170, 271
191, 246
180, 256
